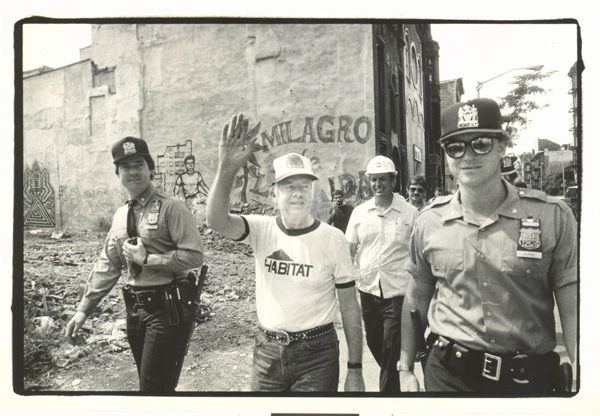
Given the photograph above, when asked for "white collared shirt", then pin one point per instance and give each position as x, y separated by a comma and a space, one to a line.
383, 241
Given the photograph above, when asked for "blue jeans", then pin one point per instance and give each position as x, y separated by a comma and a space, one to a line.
307, 365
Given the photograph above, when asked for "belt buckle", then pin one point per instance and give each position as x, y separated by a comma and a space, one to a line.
491, 366
283, 338
521, 372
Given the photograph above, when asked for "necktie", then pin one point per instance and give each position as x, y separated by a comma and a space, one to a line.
132, 232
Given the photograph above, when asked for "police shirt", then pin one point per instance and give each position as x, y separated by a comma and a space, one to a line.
383, 246
495, 281
297, 272
169, 235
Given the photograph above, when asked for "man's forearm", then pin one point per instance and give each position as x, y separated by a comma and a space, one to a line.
351, 320
219, 198
566, 299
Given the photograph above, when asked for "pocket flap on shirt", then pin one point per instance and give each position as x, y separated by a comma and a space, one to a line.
447, 260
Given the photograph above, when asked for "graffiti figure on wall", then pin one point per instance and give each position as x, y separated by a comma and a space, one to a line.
38, 198
190, 184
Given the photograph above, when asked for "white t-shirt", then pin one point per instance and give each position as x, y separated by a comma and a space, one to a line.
297, 272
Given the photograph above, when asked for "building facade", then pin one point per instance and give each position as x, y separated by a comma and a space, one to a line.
337, 93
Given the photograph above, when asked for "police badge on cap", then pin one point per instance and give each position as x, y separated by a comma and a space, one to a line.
480, 115
128, 147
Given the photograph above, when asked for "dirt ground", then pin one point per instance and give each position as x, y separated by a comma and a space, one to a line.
55, 271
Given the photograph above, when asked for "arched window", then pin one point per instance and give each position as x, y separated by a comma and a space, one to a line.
419, 72
406, 56
413, 64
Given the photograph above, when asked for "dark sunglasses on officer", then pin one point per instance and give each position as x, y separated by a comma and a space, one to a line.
456, 148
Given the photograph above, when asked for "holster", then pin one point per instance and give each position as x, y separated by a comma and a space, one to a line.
185, 293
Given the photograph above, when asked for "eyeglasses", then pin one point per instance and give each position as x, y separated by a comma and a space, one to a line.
416, 190
457, 149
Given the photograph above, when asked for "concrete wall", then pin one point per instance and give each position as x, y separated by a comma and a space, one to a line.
57, 144
309, 86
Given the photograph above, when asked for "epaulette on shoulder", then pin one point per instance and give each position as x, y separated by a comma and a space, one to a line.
543, 197
165, 195
441, 200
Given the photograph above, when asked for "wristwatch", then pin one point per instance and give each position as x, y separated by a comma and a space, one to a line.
402, 367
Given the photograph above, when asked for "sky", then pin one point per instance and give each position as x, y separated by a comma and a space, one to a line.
476, 52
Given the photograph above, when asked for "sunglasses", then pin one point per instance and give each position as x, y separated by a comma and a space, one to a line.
457, 149
416, 190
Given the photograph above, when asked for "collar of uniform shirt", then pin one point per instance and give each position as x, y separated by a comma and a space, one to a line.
396, 204
511, 207
145, 196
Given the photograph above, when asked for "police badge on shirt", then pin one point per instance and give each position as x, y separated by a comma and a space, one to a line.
530, 241
153, 215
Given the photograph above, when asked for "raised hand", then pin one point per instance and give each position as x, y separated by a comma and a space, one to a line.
234, 148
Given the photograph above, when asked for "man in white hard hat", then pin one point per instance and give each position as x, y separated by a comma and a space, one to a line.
379, 234
301, 263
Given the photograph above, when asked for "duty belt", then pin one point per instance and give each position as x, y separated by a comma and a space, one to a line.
150, 295
286, 338
519, 367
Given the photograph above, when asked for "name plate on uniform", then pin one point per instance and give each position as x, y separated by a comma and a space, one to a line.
530, 241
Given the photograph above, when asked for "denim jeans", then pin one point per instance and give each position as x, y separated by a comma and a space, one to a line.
382, 318
307, 365
156, 346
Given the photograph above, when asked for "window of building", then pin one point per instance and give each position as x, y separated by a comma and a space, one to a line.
105, 76
406, 57
413, 65
419, 75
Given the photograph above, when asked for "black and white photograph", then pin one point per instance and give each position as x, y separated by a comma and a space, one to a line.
244, 210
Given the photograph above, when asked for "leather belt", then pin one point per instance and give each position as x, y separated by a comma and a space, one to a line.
518, 367
285, 338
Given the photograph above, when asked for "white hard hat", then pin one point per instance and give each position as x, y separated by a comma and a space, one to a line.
292, 164
381, 164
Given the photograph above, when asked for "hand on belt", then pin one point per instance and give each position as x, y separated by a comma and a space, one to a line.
497, 367
286, 338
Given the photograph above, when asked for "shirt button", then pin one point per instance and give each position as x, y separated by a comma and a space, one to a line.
522, 193
481, 256
528, 271
482, 229
485, 284
514, 211
493, 341
489, 314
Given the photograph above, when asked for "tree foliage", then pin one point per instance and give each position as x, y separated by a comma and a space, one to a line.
553, 183
521, 101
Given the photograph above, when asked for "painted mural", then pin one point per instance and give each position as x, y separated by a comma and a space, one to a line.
38, 198
256, 178
176, 173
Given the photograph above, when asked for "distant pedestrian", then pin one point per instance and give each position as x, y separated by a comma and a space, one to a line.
439, 191
508, 169
417, 190
339, 213
379, 232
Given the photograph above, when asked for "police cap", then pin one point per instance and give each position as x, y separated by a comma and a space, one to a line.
128, 147
481, 115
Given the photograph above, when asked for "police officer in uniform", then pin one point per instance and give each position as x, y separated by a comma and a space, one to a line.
488, 265
155, 238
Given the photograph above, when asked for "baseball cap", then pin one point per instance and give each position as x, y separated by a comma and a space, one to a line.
128, 147
292, 164
507, 165
481, 115
381, 164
